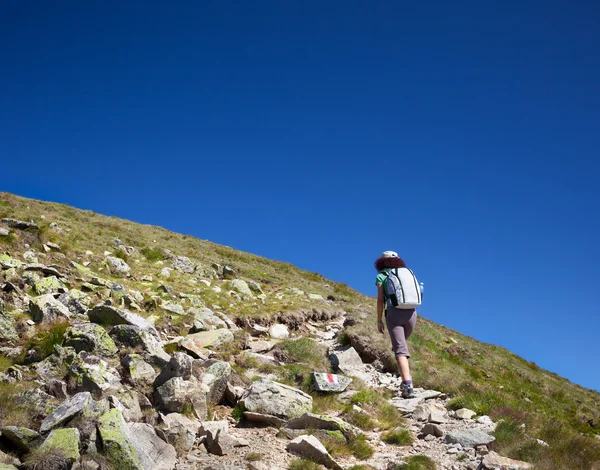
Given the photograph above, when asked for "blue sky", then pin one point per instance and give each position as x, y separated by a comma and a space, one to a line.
464, 135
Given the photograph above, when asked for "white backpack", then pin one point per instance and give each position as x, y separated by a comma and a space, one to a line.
402, 289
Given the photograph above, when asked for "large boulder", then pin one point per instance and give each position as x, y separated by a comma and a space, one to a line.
196, 342
180, 365
179, 431
49, 285
153, 452
91, 338
178, 395
134, 336
327, 423
138, 370
76, 301
117, 266
205, 320
20, 224
89, 373
215, 378
493, 461
46, 308
115, 443
469, 438
66, 441
241, 287
311, 447
346, 361
108, 315
66, 411
21, 439
273, 398
8, 333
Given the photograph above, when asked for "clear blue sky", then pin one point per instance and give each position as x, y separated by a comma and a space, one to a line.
464, 135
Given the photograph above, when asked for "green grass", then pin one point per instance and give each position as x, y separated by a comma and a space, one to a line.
153, 254
398, 437
361, 449
47, 336
303, 464
253, 457
419, 462
5, 363
305, 351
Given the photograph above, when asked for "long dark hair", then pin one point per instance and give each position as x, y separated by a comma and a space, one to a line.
382, 263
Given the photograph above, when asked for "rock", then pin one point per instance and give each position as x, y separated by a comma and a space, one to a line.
272, 398
311, 447
215, 379
180, 365
46, 308
346, 361
482, 450
323, 382
91, 338
493, 461
133, 336
464, 413
179, 431
264, 418
22, 439
225, 443
115, 443
8, 332
4, 232
261, 346
176, 394
173, 307
485, 420
195, 343
279, 331
426, 394
469, 437
328, 423
408, 405
89, 373
433, 430
66, 411
49, 285
183, 264
20, 224
205, 320
56, 388
107, 315
38, 400
117, 266
241, 287
66, 440
211, 429
315, 297
76, 301
30, 257
138, 370
437, 418
128, 403
233, 394
424, 410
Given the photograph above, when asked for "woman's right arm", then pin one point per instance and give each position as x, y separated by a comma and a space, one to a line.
380, 304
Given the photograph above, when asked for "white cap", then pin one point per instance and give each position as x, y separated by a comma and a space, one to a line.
389, 254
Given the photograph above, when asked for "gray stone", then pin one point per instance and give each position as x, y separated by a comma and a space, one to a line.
89, 373
108, 315
66, 411
46, 308
179, 431
426, 394
324, 382
469, 437
133, 336
329, 423
261, 346
56, 388
76, 301
437, 418
272, 398
22, 439
197, 342
173, 307
138, 370
38, 400
183, 264
311, 447
205, 320
433, 430
180, 365
8, 332
224, 444
407, 405
176, 394
346, 361
464, 413
91, 338
211, 429
49, 285
485, 420
264, 418
117, 266
67, 440
20, 224
4, 232
493, 461
215, 379
129, 405
241, 287
279, 331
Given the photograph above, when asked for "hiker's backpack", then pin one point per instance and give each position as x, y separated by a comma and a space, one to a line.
402, 289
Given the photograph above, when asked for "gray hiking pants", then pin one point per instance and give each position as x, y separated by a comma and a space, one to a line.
400, 325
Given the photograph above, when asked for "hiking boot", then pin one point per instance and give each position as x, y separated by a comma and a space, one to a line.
407, 391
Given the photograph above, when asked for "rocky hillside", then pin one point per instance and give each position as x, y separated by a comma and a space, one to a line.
126, 346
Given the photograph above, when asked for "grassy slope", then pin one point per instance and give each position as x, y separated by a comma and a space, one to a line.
483, 377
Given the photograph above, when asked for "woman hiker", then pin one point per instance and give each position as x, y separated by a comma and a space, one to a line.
400, 321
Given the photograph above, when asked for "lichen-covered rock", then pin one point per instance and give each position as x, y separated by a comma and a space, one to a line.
215, 378
91, 338
178, 394
38, 400
8, 333
108, 315
67, 410
133, 336
328, 423
117, 266
129, 404
179, 431
138, 370
115, 444
311, 447
173, 307
22, 439
241, 287
183, 264
49, 285
205, 320
89, 373
273, 398
76, 301
66, 440
46, 308
196, 342
180, 365
153, 452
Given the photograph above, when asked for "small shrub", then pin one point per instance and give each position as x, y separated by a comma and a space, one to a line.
306, 351
389, 416
361, 449
365, 397
238, 412
122, 255
419, 462
46, 458
245, 361
5, 363
399, 437
253, 457
153, 254
360, 419
46, 337
303, 464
